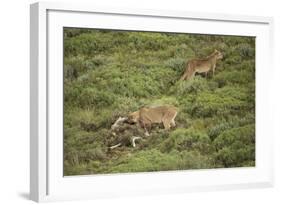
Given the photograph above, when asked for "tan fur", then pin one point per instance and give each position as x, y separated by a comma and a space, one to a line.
201, 65
147, 116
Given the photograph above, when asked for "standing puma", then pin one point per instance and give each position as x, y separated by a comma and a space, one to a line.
201, 65
147, 116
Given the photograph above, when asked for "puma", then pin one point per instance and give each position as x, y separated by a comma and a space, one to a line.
147, 116
201, 65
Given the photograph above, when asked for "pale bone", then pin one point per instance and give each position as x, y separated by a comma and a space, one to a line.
116, 124
115, 146
134, 139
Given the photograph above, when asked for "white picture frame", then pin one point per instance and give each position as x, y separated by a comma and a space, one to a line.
46, 179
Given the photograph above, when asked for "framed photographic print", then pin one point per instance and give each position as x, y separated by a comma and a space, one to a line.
130, 102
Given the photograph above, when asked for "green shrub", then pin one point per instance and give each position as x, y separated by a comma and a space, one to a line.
224, 124
222, 102
233, 77
187, 139
73, 32
208, 105
246, 50
236, 146
88, 44
193, 86
153, 160
148, 41
177, 64
90, 97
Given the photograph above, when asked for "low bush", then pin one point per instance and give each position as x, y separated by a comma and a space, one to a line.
236, 145
187, 139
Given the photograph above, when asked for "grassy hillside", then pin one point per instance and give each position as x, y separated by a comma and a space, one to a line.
110, 74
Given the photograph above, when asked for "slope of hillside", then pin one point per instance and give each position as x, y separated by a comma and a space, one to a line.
110, 74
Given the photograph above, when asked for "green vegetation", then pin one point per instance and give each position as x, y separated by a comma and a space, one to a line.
108, 74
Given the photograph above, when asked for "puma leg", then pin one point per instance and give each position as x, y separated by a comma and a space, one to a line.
173, 123
213, 69
166, 125
184, 76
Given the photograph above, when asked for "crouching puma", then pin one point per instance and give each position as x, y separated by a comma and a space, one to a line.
147, 116
201, 65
